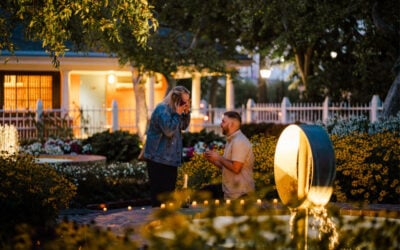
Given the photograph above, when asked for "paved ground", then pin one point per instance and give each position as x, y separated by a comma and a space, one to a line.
118, 220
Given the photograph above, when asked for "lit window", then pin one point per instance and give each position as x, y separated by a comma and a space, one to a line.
23, 91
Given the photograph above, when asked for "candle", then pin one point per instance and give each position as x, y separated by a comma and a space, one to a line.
241, 202
104, 209
194, 204
275, 201
162, 206
217, 202
185, 181
228, 202
205, 202
129, 208
259, 202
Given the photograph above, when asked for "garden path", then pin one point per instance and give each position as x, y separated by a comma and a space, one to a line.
117, 220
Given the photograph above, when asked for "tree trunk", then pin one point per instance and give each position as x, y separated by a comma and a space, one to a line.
140, 100
391, 106
303, 63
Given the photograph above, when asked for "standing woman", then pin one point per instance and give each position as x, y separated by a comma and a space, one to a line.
163, 148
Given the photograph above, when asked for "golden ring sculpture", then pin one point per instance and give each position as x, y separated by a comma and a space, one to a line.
304, 166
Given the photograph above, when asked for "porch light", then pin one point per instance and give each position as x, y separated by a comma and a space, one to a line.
111, 78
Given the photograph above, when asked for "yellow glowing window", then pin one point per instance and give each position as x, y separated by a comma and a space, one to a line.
23, 91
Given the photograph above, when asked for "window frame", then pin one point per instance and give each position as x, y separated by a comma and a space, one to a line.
56, 84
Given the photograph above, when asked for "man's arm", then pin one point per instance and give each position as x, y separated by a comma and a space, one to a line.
222, 162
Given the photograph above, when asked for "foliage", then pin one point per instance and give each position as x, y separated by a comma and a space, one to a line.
201, 32
190, 139
50, 126
306, 32
30, 193
103, 183
249, 226
56, 147
368, 168
361, 124
86, 24
200, 172
116, 146
244, 90
181, 40
264, 152
70, 235
266, 129
234, 226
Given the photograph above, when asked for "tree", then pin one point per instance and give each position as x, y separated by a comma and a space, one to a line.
85, 25
306, 32
192, 35
78, 25
389, 24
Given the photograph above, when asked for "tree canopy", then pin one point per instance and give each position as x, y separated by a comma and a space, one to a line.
307, 31
363, 34
86, 25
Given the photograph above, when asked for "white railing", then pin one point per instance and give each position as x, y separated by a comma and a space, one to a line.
286, 112
87, 121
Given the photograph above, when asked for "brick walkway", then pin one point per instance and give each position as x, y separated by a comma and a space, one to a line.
117, 220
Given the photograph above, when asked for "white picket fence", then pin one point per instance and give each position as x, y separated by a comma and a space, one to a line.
87, 121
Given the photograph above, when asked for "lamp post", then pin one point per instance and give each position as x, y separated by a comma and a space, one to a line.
263, 94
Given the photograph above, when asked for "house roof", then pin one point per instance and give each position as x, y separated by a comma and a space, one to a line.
30, 55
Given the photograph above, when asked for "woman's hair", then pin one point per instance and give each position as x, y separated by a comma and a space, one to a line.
174, 96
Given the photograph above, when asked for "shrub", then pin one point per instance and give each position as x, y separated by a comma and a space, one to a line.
368, 168
56, 147
200, 172
116, 146
190, 139
264, 152
266, 129
30, 193
361, 124
70, 235
104, 183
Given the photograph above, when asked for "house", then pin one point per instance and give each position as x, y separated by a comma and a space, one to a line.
84, 90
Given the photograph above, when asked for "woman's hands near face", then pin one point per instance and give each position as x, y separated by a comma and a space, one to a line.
184, 104
180, 109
